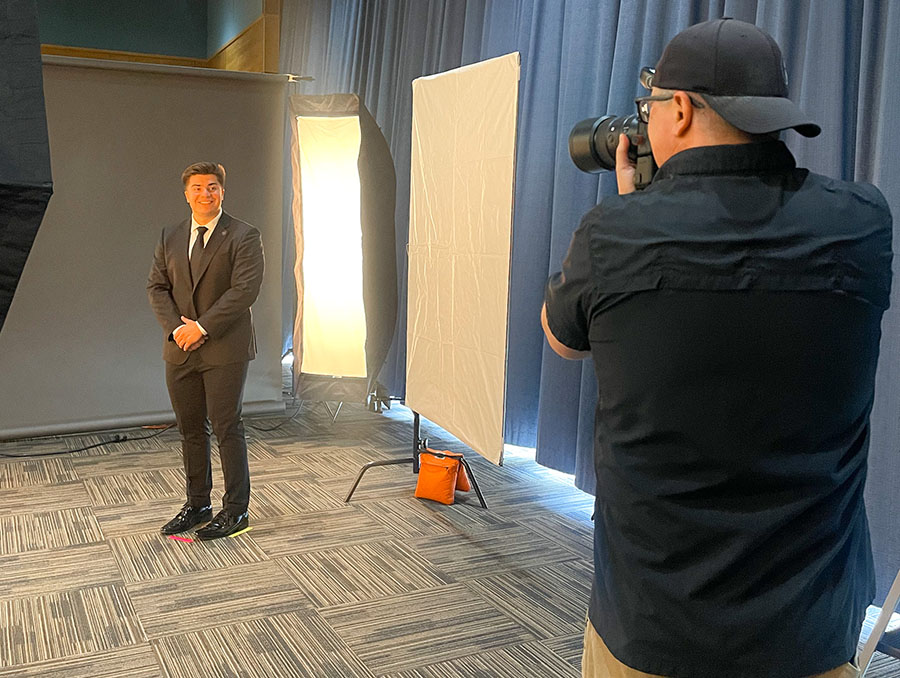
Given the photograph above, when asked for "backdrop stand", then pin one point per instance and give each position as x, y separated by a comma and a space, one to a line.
419, 445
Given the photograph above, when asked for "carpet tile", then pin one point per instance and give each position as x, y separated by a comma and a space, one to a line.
548, 600
361, 572
425, 627
41, 498
127, 488
276, 470
410, 517
568, 647
336, 461
284, 646
133, 661
531, 659
324, 446
317, 531
36, 572
290, 497
577, 536
117, 464
66, 623
143, 557
202, 600
378, 483
50, 471
504, 549
123, 520
49, 530
261, 451
280, 428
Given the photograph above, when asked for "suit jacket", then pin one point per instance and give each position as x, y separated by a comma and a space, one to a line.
231, 272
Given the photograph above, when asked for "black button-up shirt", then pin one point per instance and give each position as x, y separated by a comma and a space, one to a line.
733, 313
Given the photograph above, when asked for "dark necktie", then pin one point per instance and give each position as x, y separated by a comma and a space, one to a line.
197, 253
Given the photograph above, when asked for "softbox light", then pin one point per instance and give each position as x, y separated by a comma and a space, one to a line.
345, 268
25, 185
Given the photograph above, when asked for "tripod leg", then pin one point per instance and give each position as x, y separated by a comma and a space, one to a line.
373, 464
474, 483
417, 442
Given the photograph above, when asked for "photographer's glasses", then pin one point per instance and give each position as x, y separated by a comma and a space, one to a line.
643, 104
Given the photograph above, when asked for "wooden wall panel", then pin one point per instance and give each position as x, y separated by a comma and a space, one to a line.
272, 17
255, 49
115, 55
246, 52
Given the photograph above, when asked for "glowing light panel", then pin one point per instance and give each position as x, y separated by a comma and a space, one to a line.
333, 319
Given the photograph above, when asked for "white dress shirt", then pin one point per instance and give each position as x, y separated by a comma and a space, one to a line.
210, 227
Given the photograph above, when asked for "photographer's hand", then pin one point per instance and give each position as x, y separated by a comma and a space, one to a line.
624, 167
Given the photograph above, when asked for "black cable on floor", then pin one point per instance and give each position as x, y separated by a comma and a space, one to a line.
121, 438
117, 438
277, 426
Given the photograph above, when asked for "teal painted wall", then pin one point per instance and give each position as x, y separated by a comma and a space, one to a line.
186, 28
226, 19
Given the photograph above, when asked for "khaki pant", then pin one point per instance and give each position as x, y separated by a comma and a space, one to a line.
598, 662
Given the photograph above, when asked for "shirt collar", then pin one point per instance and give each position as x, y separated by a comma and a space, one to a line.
754, 158
210, 227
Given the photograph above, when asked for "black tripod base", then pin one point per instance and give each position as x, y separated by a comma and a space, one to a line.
394, 462
373, 464
419, 445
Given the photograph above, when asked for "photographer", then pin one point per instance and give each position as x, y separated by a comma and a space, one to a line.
732, 310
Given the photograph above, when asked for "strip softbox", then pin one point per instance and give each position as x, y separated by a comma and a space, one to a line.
345, 269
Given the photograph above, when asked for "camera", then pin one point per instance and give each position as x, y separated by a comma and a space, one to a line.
593, 142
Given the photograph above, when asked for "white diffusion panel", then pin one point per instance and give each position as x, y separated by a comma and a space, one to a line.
334, 320
461, 202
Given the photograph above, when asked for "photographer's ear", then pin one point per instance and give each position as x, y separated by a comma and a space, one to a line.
682, 114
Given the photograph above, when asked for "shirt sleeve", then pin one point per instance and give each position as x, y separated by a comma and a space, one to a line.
569, 294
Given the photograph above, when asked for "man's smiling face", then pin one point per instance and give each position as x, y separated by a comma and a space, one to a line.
204, 194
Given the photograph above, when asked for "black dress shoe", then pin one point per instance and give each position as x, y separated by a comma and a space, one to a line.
186, 519
223, 524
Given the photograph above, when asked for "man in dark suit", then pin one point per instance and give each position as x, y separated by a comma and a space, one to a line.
206, 273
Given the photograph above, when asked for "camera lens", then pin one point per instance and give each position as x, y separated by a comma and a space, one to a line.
593, 142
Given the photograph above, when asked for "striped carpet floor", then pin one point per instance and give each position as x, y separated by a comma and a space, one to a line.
386, 586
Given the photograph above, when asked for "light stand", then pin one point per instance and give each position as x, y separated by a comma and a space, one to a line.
419, 445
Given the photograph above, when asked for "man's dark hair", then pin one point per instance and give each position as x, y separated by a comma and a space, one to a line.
204, 168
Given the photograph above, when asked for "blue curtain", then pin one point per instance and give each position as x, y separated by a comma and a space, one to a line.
580, 58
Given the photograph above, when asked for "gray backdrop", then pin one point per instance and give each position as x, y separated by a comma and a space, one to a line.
80, 349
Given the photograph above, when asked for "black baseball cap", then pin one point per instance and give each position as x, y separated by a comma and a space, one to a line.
738, 69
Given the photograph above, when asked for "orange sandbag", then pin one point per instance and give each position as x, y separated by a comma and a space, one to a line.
438, 476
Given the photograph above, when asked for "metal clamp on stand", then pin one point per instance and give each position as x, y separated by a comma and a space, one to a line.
419, 445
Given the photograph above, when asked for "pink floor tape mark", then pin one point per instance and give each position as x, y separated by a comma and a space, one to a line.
184, 539
246, 529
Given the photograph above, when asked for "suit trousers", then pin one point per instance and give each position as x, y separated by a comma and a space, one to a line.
598, 662
202, 394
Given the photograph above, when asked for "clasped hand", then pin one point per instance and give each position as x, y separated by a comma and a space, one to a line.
189, 337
